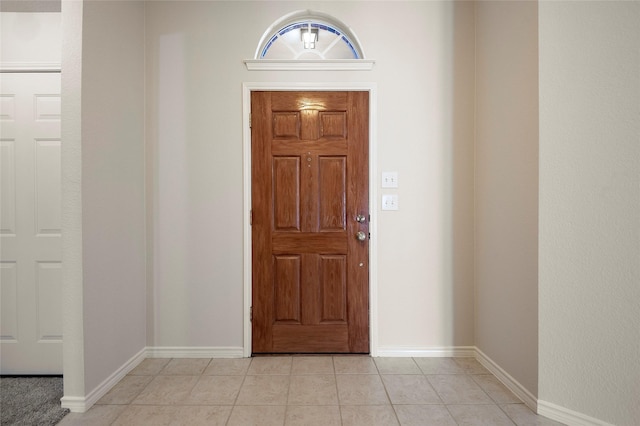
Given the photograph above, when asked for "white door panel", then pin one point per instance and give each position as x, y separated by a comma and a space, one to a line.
30, 224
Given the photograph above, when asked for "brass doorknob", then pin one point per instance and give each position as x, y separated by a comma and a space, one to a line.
361, 236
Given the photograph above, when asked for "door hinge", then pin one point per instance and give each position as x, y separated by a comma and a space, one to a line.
249, 120
251, 314
250, 217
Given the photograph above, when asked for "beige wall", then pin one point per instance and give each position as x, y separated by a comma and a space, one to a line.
506, 179
589, 209
113, 186
103, 191
424, 132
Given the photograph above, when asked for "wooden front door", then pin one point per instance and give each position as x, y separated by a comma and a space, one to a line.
310, 179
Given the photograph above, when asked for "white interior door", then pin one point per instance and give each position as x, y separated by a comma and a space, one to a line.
30, 224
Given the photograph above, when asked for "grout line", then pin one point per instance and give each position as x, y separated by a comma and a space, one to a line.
286, 406
244, 376
335, 379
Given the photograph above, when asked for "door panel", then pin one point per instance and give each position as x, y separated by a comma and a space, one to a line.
287, 286
30, 224
309, 182
332, 178
286, 186
333, 289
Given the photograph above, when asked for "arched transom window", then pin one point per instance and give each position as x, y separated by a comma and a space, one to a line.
308, 35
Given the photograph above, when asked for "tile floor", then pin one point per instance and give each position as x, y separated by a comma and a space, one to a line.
309, 390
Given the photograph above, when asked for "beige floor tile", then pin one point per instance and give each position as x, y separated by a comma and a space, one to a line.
201, 416
361, 389
479, 415
439, 366
185, 367
471, 366
146, 415
152, 415
150, 367
397, 366
215, 390
257, 416
165, 390
368, 415
313, 390
354, 365
523, 416
264, 390
227, 367
98, 415
270, 365
306, 390
458, 389
495, 389
319, 415
312, 365
410, 389
424, 415
126, 390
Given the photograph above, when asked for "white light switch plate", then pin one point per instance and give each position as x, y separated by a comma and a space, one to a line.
389, 179
390, 202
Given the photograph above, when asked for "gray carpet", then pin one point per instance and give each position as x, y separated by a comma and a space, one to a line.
32, 401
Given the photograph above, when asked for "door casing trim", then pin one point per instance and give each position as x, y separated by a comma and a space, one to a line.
247, 88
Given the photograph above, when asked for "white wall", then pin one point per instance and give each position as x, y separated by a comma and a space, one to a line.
113, 187
589, 263
425, 132
28, 38
506, 178
72, 287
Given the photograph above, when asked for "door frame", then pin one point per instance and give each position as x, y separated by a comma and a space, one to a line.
247, 88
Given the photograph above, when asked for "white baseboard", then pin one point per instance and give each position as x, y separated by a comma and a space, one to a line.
30, 66
543, 408
82, 404
566, 416
194, 352
512, 384
75, 404
426, 351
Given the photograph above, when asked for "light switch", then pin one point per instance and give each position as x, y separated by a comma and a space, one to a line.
390, 202
389, 179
